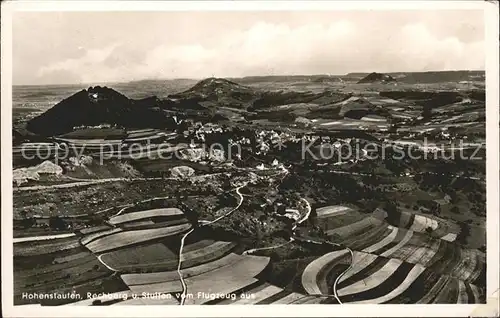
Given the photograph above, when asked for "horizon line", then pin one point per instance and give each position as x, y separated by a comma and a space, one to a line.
246, 76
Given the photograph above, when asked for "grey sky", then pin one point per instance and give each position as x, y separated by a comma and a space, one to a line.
73, 47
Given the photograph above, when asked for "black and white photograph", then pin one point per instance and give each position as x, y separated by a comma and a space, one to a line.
218, 155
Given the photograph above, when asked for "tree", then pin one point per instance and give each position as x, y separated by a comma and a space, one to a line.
453, 196
391, 208
464, 233
418, 178
281, 209
427, 112
57, 223
95, 219
27, 222
437, 210
455, 209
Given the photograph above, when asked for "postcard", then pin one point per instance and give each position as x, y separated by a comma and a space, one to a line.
247, 159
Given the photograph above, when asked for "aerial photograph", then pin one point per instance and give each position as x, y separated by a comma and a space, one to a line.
249, 158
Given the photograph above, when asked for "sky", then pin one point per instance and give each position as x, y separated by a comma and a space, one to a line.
92, 47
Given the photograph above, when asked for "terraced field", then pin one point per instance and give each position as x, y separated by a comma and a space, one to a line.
391, 266
47, 247
134, 136
57, 271
158, 257
220, 278
376, 279
431, 225
95, 235
119, 238
140, 258
388, 264
410, 245
135, 216
93, 229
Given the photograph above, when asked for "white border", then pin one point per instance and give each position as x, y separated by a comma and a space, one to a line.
259, 5
492, 137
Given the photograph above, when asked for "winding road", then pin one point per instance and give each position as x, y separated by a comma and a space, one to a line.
82, 182
203, 223
106, 265
253, 250
293, 238
306, 216
342, 274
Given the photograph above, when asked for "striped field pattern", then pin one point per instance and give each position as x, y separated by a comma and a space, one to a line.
227, 275
389, 260
135, 216
429, 224
121, 239
368, 233
375, 279
389, 264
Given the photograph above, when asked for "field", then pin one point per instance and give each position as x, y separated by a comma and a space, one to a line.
231, 279
51, 246
134, 216
64, 271
120, 238
416, 247
375, 279
141, 258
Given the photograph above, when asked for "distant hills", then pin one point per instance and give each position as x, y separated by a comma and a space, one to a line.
219, 99
430, 77
376, 78
212, 98
403, 77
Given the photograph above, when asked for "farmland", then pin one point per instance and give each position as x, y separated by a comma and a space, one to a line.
293, 208
129, 217
120, 238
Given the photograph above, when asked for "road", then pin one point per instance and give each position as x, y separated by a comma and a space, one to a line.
84, 182
342, 274
42, 237
203, 223
308, 213
125, 207
334, 287
107, 266
80, 183
253, 250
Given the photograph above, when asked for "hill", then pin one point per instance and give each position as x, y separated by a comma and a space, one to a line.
376, 78
357, 108
96, 106
218, 92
